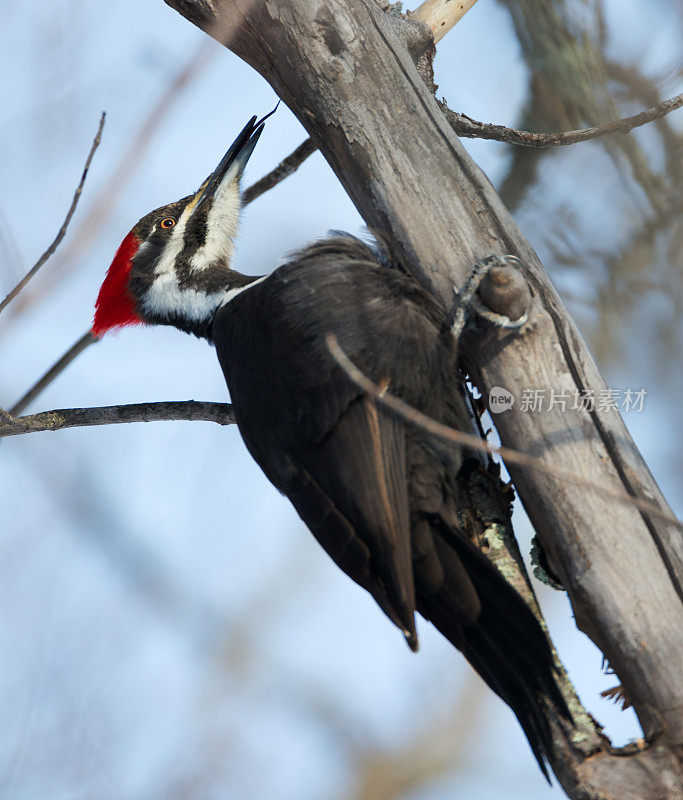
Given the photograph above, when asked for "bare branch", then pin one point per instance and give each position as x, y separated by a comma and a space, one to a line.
188, 410
56, 369
284, 169
441, 15
473, 129
470, 128
430, 426
62, 231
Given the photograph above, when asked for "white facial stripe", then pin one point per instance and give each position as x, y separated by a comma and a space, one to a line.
166, 264
232, 293
165, 297
221, 226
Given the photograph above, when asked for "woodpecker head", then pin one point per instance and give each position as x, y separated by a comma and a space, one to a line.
173, 268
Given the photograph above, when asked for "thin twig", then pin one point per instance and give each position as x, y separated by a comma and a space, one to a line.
419, 420
56, 369
62, 231
473, 129
441, 15
284, 169
190, 410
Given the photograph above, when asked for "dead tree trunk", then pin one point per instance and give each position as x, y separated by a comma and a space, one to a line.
343, 70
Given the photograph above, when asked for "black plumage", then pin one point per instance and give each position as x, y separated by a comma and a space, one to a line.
373, 491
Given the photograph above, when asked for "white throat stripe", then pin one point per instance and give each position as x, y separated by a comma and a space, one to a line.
221, 227
166, 298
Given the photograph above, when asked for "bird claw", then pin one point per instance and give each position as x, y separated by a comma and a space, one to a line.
467, 298
499, 320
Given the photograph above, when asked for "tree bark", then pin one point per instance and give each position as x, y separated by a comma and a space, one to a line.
342, 69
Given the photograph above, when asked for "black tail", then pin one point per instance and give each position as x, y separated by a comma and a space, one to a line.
504, 642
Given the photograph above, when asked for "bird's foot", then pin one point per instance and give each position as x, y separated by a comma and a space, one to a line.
495, 291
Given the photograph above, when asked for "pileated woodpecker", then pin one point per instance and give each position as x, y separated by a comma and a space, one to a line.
372, 491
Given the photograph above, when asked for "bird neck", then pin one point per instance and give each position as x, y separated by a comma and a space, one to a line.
189, 299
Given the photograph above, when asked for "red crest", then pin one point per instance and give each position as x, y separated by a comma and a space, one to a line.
115, 307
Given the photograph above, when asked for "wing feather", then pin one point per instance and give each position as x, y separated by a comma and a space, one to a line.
360, 465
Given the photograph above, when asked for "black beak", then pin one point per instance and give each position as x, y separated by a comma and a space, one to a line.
235, 160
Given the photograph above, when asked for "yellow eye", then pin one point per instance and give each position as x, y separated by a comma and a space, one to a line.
169, 222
